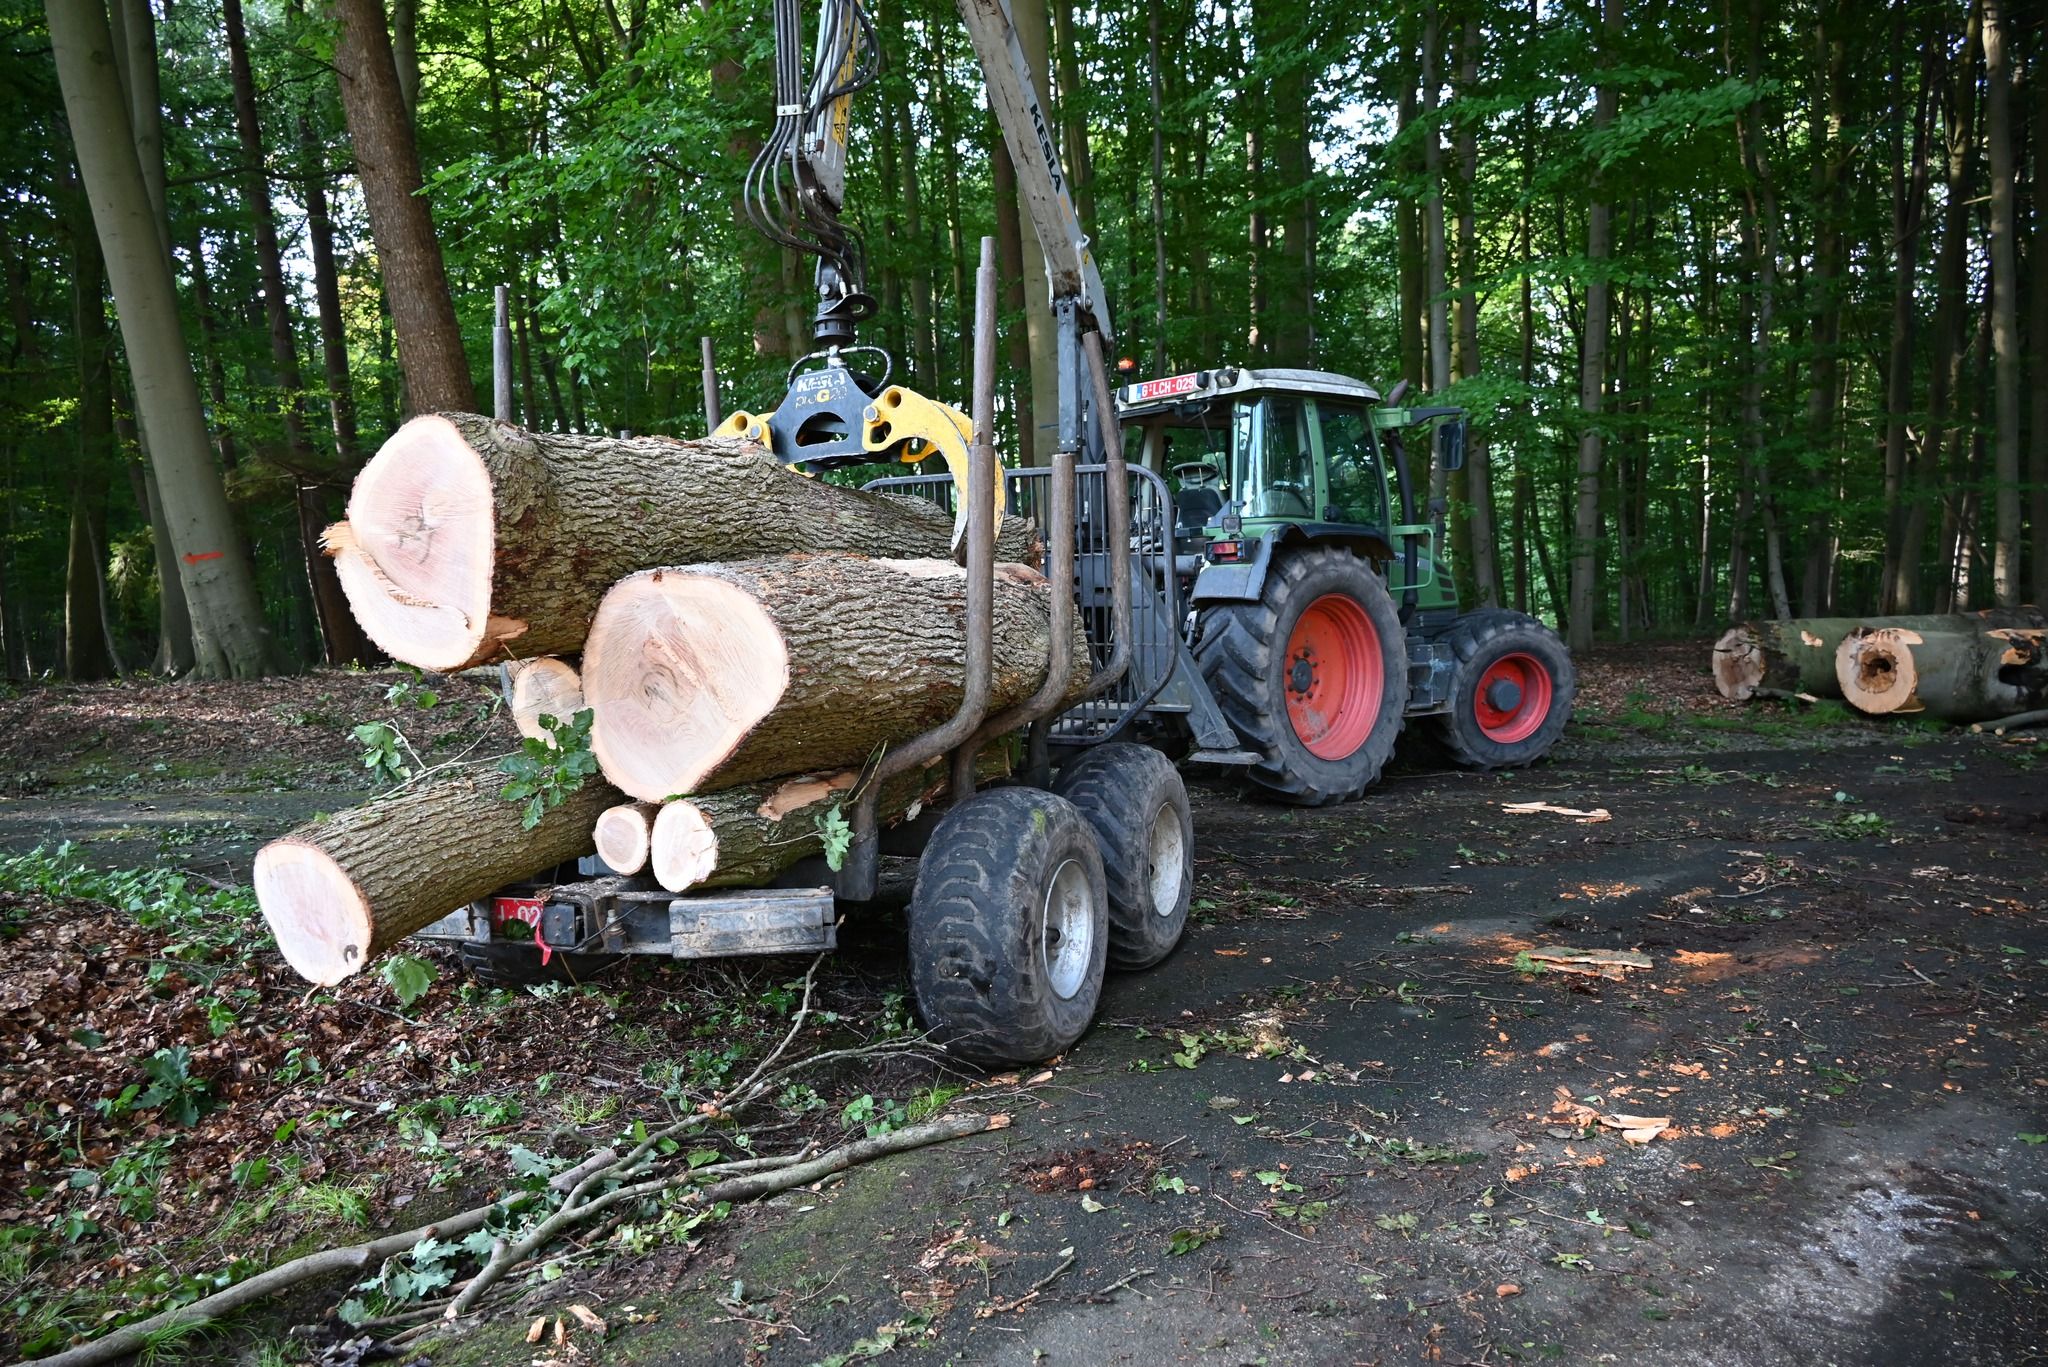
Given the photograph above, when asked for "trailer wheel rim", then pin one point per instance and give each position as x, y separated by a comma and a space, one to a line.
1166, 860
1066, 929
1512, 699
1335, 677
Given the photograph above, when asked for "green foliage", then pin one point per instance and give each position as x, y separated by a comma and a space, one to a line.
836, 836
547, 769
380, 742
202, 923
409, 976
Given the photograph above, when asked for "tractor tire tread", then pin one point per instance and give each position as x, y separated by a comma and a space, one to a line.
1118, 788
1479, 633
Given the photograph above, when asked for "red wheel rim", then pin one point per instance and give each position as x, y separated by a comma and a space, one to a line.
1512, 699
1334, 677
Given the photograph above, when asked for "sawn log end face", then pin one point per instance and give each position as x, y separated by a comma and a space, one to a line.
316, 912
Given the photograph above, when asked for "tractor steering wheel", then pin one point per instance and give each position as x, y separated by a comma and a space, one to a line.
1294, 492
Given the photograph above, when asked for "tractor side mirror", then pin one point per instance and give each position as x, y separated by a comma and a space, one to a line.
1450, 445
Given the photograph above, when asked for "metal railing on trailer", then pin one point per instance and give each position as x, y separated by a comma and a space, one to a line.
1155, 682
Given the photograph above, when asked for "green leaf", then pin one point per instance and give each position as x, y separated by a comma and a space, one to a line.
410, 976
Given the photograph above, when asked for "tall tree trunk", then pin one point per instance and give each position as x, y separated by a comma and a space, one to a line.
405, 53
1158, 187
1478, 473
2006, 582
2037, 333
1593, 370
341, 402
1408, 248
85, 627
229, 637
1951, 322
437, 377
1286, 329
1040, 421
1762, 193
1824, 131
342, 640
1010, 258
923, 338
1909, 201
210, 344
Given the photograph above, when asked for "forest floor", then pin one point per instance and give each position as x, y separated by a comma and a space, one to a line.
1345, 1122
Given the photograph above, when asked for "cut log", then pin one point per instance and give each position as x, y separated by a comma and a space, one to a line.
340, 891
1798, 655
747, 835
1949, 675
546, 687
700, 679
622, 835
466, 535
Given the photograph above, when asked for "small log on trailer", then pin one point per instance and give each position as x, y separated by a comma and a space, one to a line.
622, 836
708, 677
342, 890
1797, 655
745, 836
1952, 676
468, 539
546, 687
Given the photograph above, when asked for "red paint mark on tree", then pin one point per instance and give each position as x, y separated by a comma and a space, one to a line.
194, 557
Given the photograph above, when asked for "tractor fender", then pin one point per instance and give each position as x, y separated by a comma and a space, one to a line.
1244, 581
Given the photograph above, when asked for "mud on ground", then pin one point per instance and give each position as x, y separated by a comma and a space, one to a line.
1349, 1120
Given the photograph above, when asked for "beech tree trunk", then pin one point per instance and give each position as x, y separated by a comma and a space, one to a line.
229, 637
470, 539
1585, 589
2006, 580
703, 678
747, 835
408, 254
1798, 656
1956, 676
545, 687
339, 892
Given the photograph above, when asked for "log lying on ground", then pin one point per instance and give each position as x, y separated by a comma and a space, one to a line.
700, 679
622, 835
1798, 655
465, 535
1949, 675
340, 891
747, 835
546, 687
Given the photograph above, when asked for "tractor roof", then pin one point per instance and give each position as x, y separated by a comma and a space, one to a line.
1201, 386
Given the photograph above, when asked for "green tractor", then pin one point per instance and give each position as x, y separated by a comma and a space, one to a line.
1320, 611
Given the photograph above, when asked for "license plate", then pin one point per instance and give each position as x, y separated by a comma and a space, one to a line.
1166, 388
505, 910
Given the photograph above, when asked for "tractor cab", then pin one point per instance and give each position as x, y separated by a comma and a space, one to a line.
1261, 459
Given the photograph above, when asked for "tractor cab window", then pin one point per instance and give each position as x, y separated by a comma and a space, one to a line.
1358, 492
1276, 463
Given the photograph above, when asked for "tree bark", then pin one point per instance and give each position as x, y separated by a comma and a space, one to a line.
1477, 475
1909, 201
229, 637
341, 891
2006, 581
2037, 335
544, 688
85, 628
1038, 425
341, 403
1593, 377
468, 539
1798, 655
703, 678
437, 376
1955, 676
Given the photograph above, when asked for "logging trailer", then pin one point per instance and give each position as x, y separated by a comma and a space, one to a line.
1280, 616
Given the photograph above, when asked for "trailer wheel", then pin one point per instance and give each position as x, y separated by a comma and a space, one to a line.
514, 963
1511, 693
1313, 676
1009, 927
1134, 799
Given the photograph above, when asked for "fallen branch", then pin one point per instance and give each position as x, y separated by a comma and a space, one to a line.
2019, 721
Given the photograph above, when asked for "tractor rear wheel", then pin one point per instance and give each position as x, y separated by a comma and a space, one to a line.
1313, 676
1009, 927
1511, 693
1135, 800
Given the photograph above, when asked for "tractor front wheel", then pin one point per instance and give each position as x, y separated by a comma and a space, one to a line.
1313, 676
1511, 693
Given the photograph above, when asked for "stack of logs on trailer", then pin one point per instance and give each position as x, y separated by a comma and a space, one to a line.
749, 639
1988, 667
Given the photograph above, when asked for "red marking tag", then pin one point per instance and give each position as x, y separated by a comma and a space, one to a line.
194, 557
1160, 389
546, 950
505, 910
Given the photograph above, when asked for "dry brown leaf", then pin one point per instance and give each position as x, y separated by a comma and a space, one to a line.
999, 1121
1506, 1289
1037, 1078
588, 1318
536, 1329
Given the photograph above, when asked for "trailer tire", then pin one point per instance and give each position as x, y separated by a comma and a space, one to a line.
1511, 691
1009, 928
1313, 676
1134, 799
